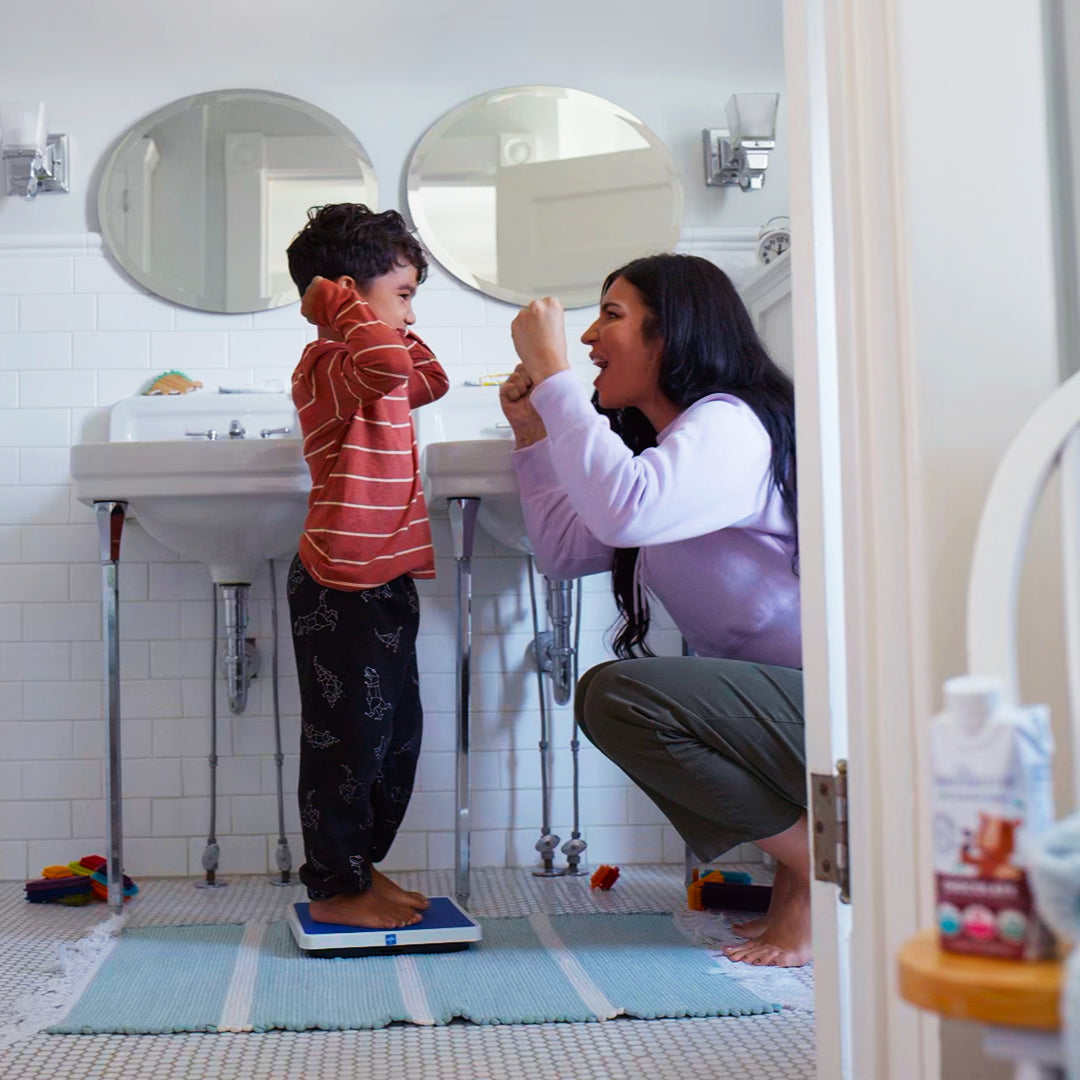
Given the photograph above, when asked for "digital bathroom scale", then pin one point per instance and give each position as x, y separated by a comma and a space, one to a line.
445, 927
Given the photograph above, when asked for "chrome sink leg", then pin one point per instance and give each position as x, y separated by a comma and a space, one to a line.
548, 843
574, 848
212, 852
282, 857
110, 523
463, 528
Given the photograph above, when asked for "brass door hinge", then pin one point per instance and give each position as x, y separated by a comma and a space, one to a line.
829, 820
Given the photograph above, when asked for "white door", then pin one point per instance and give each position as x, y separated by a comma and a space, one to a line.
549, 236
270, 182
129, 214
860, 568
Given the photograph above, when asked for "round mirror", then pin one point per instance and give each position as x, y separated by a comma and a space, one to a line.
541, 191
199, 200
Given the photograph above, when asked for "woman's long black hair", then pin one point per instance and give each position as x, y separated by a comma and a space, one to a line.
710, 346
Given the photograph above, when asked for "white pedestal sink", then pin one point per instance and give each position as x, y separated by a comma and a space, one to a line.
230, 503
219, 479
465, 448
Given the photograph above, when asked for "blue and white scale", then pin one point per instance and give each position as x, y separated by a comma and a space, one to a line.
445, 927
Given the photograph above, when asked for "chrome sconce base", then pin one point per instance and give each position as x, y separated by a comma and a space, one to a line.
729, 165
738, 154
30, 174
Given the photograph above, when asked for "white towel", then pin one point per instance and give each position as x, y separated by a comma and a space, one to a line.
1054, 871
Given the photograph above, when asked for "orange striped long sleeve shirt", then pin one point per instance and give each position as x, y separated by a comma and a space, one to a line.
367, 521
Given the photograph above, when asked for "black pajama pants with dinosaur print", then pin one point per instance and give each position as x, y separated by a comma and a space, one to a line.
360, 724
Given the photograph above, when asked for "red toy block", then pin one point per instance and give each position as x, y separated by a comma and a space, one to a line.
604, 877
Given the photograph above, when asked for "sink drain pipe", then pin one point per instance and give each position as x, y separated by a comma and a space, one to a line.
237, 678
240, 663
561, 653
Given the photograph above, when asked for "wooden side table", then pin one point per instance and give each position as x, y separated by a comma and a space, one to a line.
1017, 1003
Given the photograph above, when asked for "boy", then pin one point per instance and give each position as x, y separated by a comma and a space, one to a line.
352, 599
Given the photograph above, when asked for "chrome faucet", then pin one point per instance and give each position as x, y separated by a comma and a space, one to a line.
236, 431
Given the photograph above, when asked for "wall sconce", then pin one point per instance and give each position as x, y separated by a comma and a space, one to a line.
739, 153
34, 162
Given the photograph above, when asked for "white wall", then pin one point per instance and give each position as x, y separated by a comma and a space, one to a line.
388, 72
982, 321
76, 336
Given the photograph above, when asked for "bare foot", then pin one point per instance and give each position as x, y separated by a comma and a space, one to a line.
785, 940
753, 928
369, 909
765, 954
384, 886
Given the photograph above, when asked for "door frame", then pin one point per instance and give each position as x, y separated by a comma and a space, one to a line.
868, 675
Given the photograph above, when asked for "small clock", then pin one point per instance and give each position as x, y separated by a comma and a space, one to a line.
774, 239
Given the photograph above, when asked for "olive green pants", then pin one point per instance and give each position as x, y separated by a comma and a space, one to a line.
717, 744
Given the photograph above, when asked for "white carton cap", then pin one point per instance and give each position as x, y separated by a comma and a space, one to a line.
972, 699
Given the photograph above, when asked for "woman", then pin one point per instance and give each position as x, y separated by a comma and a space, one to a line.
681, 483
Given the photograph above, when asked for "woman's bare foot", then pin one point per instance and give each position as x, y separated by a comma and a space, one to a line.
784, 939
753, 928
369, 909
384, 886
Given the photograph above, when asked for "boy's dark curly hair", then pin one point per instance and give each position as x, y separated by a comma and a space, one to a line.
348, 239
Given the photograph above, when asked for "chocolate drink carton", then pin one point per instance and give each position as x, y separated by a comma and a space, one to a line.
992, 792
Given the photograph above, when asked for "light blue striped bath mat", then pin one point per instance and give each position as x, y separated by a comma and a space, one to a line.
540, 969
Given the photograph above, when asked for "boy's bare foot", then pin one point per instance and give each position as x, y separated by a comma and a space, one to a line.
371, 909
384, 886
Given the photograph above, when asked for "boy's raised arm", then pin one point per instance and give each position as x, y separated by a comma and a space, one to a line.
375, 360
428, 381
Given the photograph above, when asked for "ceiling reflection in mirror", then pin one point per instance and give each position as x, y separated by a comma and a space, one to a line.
541, 191
199, 200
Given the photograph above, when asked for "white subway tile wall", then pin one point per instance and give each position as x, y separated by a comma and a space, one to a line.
76, 336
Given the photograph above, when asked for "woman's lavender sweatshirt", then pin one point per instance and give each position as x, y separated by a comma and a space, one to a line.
716, 540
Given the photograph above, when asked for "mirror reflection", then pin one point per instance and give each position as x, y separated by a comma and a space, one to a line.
540, 191
200, 199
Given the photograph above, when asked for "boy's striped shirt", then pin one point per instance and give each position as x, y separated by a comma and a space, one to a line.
367, 520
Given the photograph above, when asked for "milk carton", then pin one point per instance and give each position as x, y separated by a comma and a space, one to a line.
992, 793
